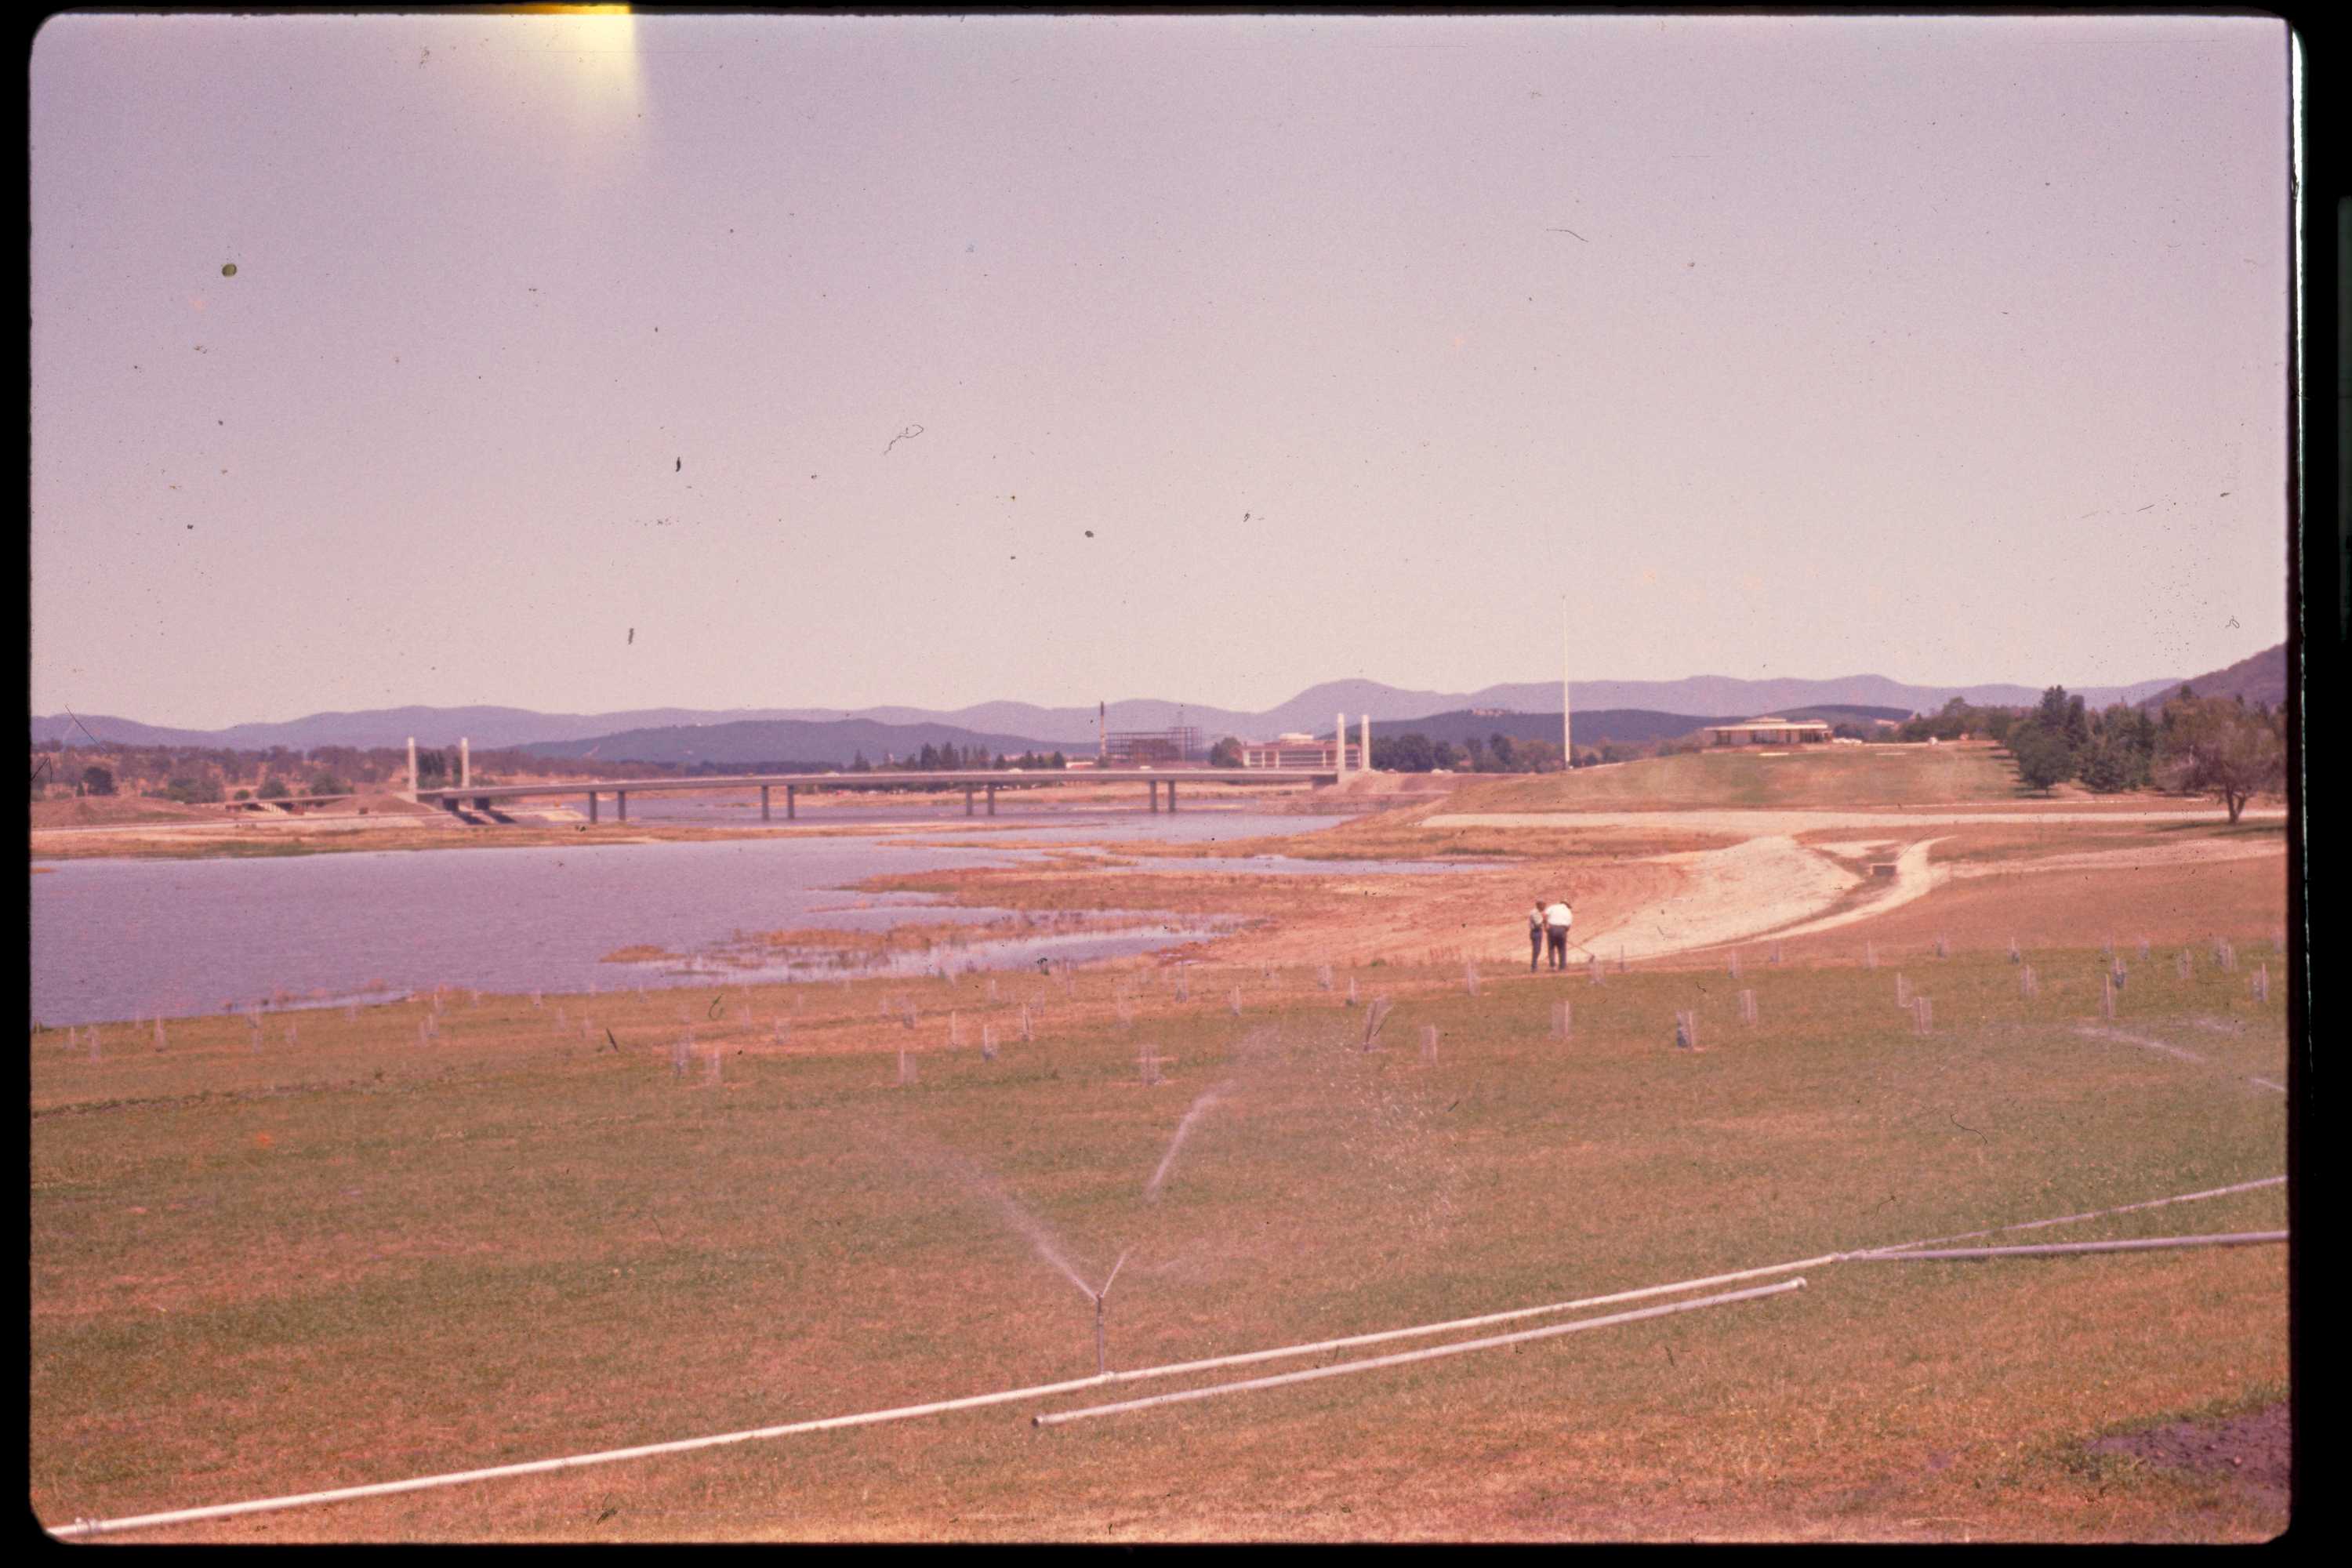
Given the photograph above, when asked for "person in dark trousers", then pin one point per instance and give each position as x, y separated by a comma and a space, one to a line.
1556, 920
1535, 936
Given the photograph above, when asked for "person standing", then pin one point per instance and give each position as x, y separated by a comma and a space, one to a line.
1558, 917
1535, 936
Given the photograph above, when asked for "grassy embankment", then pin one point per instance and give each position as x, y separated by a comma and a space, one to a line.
353, 1258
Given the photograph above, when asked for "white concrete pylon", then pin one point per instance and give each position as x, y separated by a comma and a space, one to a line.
1340, 744
1365, 756
411, 767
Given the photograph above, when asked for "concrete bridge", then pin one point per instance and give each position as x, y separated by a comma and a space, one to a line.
974, 784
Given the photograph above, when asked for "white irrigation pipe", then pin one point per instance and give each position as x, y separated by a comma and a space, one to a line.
1405, 1357
901, 1412
2094, 1214
613, 1456
2052, 1249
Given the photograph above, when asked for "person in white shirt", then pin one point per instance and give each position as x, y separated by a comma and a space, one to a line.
1558, 917
1535, 936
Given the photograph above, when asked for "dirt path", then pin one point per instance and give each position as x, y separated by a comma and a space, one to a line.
1770, 885
1724, 895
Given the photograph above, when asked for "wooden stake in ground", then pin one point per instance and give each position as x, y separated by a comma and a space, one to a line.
988, 1042
2228, 958
955, 1029
1026, 1033
783, 1033
1149, 1064
2106, 995
991, 988
1748, 1008
1563, 1022
1429, 1042
905, 1066
1902, 991
2181, 963
1923, 1014
718, 1055
1735, 963
1351, 991
159, 1031
1235, 1000
1374, 1016
93, 1039
1686, 1031
2143, 949
1183, 987
1469, 978
2026, 984
1323, 976
1594, 972
2015, 956
1870, 955
1943, 948
2262, 982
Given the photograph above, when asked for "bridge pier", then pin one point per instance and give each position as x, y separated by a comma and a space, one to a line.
991, 800
592, 805
791, 797
967, 800
1171, 797
764, 805
1153, 786
621, 805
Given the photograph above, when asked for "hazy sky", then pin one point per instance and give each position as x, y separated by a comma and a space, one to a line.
1244, 354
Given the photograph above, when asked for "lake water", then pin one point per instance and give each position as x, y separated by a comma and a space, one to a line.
121, 938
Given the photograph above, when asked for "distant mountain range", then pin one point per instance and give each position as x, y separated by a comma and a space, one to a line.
2262, 678
747, 741
1014, 727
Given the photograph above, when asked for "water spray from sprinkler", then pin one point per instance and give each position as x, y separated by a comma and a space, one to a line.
1102, 1356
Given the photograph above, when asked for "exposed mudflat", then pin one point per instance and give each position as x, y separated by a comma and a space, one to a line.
2253, 1450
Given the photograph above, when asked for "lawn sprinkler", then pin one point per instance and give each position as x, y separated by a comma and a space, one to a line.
1102, 1354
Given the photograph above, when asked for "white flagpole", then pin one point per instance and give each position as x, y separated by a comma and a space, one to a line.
1567, 729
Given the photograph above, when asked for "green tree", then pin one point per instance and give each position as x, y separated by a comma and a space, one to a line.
328, 783
2219, 746
2044, 758
96, 780
1506, 751
1409, 753
1227, 754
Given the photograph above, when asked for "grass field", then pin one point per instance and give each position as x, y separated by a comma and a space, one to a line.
355, 1257
1836, 776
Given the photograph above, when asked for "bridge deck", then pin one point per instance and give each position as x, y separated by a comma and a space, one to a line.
966, 779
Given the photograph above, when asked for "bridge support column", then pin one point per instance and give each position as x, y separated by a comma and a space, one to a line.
1153, 787
1171, 797
966, 800
621, 805
764, 805
991, 800
592, 805
791, 796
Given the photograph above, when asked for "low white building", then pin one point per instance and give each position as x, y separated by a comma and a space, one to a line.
1769, 731
1298, 750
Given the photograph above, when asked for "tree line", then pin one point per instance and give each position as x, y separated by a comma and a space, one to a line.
2219, 746
200, 776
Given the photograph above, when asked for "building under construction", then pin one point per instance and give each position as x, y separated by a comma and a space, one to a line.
1150, 748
